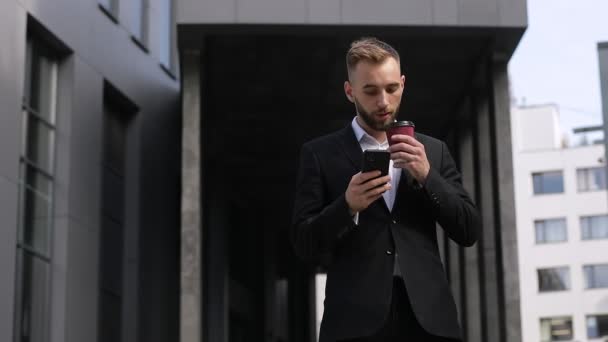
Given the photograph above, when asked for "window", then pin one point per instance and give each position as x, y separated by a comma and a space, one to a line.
551, 230
556, 329
554, 279
140, 21
112, 240
109, 7
597, 326
591, 179
594, 227
548, 182
596, 276
36, 168
166, 33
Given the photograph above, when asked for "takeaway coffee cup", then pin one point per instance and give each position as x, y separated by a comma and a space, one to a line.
399, 127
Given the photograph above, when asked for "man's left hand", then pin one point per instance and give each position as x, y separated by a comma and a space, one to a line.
408, 153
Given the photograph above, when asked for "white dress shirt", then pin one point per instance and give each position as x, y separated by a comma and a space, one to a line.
368, 142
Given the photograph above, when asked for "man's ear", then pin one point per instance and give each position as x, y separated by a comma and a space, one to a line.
348, 90
403, 81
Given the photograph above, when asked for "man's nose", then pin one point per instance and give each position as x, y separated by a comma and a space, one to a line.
383, 100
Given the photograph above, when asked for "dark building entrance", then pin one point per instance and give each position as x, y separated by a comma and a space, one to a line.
266, 90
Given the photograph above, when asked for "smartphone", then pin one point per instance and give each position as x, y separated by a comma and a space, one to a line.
376, 160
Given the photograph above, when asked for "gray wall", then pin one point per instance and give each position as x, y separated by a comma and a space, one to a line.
102, 50
500, 13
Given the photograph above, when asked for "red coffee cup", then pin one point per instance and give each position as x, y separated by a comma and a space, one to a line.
399, 127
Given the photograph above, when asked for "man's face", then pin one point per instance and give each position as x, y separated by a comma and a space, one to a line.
376, 91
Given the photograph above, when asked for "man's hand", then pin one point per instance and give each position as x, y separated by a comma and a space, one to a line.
364, 189
408, 153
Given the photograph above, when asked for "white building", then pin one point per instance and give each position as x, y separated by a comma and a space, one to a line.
562, 225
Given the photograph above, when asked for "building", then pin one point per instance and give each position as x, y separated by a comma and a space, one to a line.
89, 171
260, 77
562, 225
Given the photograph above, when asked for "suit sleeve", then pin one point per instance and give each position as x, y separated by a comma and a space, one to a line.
317, 222
453, 208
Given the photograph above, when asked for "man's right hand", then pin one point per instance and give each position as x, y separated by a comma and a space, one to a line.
364, 189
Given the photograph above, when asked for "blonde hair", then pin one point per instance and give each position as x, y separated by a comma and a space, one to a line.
369, 49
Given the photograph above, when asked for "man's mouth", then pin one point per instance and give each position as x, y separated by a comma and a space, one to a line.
384, 115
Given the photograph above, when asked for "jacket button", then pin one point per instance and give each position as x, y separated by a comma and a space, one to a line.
395, 221
389, 253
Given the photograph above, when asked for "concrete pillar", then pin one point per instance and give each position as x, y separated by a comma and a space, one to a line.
190, 278
486, 243
506, 232
470, 303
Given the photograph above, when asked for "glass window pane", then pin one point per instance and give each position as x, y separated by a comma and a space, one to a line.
42, 83
548, 182
599, 178
554, 279
39, 144
594, 227
34, 179
556, 329
35, 220
139, 19
33, 300
166, 22
552, 230
591, 179
597, 326
110, 5
596, 276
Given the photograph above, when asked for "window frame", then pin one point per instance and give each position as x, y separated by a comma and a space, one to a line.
587, 176
586, 280
544, 221
553, 318
567, 281
590, 227
541, 173
38, 54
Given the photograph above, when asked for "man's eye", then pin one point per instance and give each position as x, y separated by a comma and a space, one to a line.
392, 90
371, 93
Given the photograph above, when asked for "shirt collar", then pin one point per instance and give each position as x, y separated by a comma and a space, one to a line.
360, 133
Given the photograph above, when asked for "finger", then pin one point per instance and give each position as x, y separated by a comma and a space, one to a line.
398, 138
376, 182
412, 141
365, 176
402, 156
404, 147
378, 191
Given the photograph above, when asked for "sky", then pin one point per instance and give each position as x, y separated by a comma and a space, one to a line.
557, 60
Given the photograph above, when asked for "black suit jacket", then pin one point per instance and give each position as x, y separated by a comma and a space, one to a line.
359, 258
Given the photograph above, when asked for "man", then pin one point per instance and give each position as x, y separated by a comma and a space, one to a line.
385, 279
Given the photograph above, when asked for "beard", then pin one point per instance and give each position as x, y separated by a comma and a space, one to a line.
372, 121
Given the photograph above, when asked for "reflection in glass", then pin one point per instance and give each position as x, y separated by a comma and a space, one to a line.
554, 279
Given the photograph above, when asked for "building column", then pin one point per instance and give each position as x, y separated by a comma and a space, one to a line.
191, 227
506, 229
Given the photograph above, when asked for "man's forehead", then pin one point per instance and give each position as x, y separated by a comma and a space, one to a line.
378, 74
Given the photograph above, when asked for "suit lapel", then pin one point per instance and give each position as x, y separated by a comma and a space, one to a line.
354, 153
350, 146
